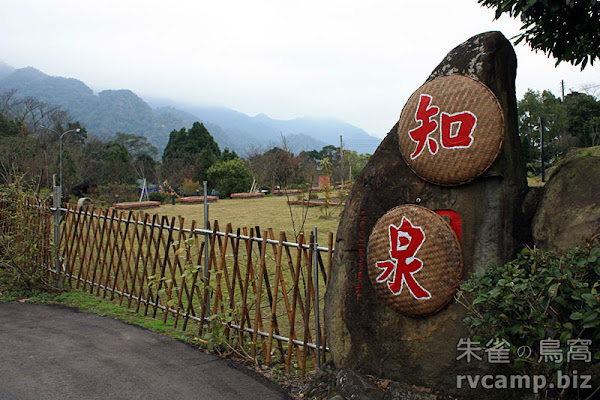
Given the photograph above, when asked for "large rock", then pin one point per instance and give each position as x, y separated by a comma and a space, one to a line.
368, 336
569, 213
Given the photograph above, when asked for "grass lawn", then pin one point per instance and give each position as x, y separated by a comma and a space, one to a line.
266, 212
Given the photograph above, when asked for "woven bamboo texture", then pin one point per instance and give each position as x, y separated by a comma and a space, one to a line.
454, 166
440, 254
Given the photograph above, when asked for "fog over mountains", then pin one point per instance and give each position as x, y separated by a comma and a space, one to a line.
111, 111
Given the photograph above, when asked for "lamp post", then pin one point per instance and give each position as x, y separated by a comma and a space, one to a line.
60, 136
57, 205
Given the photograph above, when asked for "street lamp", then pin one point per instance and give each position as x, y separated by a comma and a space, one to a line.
60, 136
57, 204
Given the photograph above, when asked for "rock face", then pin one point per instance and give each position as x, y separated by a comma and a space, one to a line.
370, 337
569, 213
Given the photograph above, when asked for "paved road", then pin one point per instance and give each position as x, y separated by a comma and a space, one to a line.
56, 352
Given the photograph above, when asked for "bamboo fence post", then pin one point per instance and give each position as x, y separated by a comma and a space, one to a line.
257, 316
133, 233
122, 239
99, 251
140, 254
113, 246
163, 268
85, 260
275, 292
149, 259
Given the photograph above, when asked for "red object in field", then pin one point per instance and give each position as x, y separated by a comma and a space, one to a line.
324, 180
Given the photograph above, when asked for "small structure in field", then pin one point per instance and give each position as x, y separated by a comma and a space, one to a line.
246, 195
136, 204
198, 199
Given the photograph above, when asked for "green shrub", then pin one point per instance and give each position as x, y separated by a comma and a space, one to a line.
157, 196
538, 296
230, 177
24, 244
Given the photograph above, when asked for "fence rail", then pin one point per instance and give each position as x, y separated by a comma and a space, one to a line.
245, 288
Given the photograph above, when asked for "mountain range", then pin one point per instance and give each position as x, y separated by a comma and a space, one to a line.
110, 111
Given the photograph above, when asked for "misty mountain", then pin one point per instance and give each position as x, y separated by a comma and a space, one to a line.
111, 111
5, 70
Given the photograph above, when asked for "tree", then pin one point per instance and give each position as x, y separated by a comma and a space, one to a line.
584, 118
231, 176
143, 154
119, 166
531, 108
71, 172
189, 154
17, 149
228, 155
275, 167
566, 29
356, 161
572, 123
92, 170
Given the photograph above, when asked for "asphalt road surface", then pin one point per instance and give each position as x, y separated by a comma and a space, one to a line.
56, 352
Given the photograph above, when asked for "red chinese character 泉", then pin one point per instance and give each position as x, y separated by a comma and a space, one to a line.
421, 134
405, 242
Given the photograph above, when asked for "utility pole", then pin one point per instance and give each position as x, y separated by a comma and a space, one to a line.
562, 86
542, 147
342, 160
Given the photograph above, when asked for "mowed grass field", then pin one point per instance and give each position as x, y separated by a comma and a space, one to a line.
265, 212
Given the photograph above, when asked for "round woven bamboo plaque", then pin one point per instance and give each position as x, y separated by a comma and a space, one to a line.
451, 130
414, 260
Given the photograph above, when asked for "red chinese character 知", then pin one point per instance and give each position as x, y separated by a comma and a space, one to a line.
405, 241
466, 120
462, 123
421, 134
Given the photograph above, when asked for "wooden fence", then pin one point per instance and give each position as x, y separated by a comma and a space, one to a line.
245, 290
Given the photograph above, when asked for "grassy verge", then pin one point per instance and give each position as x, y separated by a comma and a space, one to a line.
97, 305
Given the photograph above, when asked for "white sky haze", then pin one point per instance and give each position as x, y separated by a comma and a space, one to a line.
356, 61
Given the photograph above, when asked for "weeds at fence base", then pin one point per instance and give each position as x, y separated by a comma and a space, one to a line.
24, 247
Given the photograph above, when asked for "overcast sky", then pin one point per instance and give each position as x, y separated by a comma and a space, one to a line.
356, 61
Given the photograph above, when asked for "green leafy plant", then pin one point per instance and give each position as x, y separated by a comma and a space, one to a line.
24, 251
230, 177
215, 337
157, 196
565, 29
538, 296
215, 334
